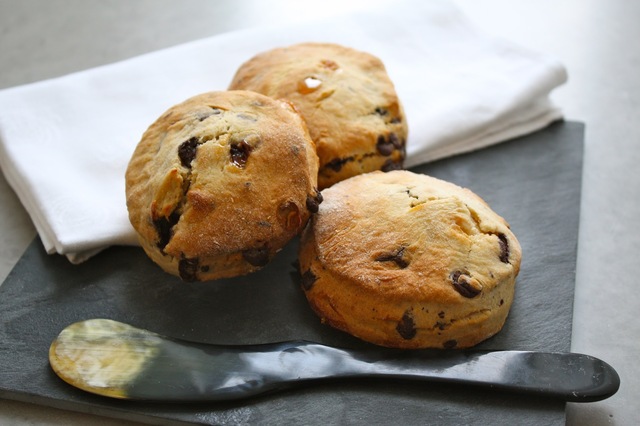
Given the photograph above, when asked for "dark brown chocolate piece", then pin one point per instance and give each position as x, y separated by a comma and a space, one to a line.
504, 248
337, 163
313, 201
396, 141
396, 257
384, 146
256, 256
381, 111
163, 227
187, 151
308, 280
390, 165
460, 281
188, 269
239, 152
450, 344
406, 327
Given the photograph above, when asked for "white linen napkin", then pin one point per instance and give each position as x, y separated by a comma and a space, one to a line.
65, 142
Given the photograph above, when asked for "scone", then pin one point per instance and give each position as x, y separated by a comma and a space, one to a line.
346, 98
409, 261
220, 183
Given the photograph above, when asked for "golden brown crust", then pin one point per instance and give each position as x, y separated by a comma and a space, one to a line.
219, 184
346, 98
406, 260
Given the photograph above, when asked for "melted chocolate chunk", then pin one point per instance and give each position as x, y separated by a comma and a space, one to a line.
188, 269
384, 146
313, 201
395, 141
336, 164
462, 286
163, 227
450, 344
239, 152
390, 165
308, 280
396, 257
406, 327
187, 151
256, 256
504, 248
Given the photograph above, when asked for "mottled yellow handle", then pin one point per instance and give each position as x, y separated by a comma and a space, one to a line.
102, 356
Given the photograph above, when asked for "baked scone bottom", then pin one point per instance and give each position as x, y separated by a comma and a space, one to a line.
409, 261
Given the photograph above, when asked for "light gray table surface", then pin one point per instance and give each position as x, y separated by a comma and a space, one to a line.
596, 40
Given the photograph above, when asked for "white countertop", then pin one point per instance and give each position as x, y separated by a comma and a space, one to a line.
596, 40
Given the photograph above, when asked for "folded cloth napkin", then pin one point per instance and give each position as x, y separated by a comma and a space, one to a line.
65, 142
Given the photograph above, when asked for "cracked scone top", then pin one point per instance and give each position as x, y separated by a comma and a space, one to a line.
220, 183
406, 260
346, 98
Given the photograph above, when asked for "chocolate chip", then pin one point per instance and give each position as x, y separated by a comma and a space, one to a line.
396, 257
239, 152
337, 163
504, 248
441, 314
256, 256
442, 325
395, 141
461, 282
163, 227
391, 165
384, 146
396, 120
381, 111
308, 280
406, 327
313, 201
501, 302
187, 151
450, 344
188, 269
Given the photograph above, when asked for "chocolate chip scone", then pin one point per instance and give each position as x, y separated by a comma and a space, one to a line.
220, 183
409, 261
346, 98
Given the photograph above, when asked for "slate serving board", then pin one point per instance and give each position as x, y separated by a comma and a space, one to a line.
534, 182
